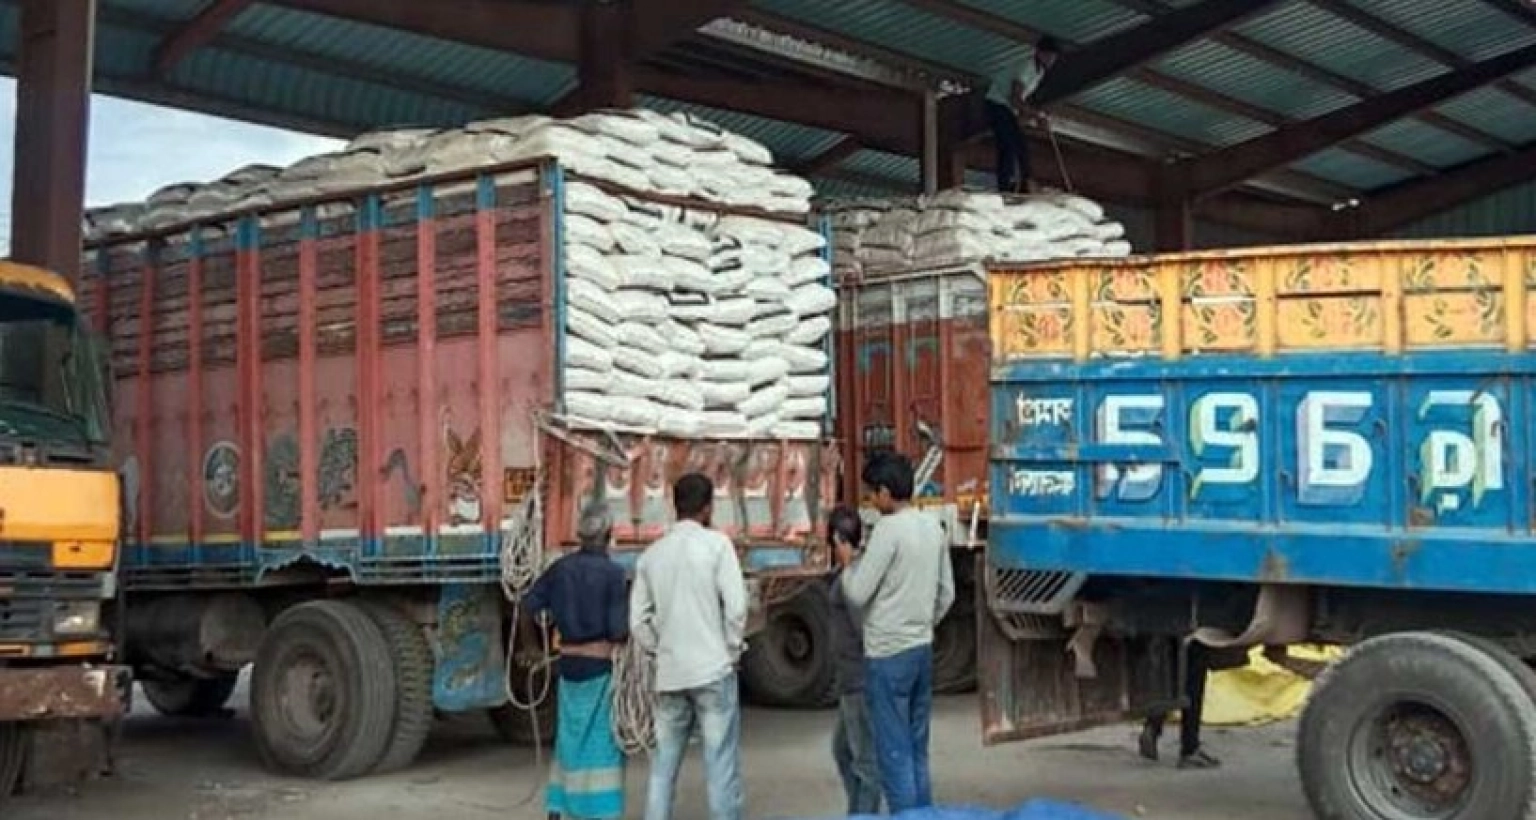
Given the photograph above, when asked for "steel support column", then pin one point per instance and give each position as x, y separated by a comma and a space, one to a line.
1174, 226
607, 55
53, 91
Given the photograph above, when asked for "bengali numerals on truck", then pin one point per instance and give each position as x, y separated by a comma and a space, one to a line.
1332, 445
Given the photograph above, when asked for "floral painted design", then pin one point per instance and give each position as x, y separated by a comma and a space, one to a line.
1449, 318
1229, 326
1036, 332
1125, 284
1326, 274
1349, 321
1025, 289
1218, 277
1428, 272
1128, 328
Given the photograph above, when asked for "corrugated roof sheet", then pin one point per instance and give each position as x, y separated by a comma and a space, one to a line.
1511, 211
1471, 28
1215, 66
1489, 109
173, 9
1351, 169
1077, 21
899, 26
900, 170
1168, 112
1425, 142
494, 73
1307, 32
790, 143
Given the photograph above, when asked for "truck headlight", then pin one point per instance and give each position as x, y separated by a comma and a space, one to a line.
77, 618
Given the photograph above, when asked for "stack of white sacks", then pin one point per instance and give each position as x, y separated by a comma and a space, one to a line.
692, 325
956, 227
680, 319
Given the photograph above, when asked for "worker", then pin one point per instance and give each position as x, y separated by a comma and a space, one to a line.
585, 593
853, 741
1008, 104
1192, 755
902, 585
689, 608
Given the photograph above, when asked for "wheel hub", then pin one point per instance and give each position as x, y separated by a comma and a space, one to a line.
1428, 756
308, 696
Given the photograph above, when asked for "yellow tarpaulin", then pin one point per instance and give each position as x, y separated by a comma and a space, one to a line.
1260, 692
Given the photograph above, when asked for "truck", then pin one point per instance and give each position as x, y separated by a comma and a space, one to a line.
59, 527
338, 424
913, 352
1267, 447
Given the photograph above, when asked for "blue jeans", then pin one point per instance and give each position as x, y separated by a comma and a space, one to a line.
716, 708
900, 694
853, 747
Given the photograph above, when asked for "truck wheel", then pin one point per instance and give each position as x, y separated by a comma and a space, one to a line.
954, 652
414, 665
792, 662
13, 753
1418, 726
516, 726
954, 641
186, 696
323, 692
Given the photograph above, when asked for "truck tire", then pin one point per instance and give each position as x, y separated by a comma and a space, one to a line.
520, 728
13, 753
414, 665
186, 696
1419, 725
791, 662
323, 692
954, 641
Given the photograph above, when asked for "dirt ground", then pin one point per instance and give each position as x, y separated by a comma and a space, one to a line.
207, 770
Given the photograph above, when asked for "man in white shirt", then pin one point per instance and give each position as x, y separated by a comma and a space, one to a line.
1007, 103
903, 584
688, 607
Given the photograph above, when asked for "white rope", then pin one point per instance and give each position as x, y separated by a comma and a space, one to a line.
634, 699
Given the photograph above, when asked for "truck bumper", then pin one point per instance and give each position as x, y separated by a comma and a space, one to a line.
76, 691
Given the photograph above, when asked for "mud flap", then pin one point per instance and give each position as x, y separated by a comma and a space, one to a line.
1030, 687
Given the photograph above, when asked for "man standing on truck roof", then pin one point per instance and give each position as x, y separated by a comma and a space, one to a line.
903, 584
1008, 103
689, 608
585, 594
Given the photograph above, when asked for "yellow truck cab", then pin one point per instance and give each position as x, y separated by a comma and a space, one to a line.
59, 518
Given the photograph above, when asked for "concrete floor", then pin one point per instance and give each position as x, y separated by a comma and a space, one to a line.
207, 770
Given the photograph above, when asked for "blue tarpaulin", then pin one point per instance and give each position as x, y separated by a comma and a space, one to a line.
1033, 810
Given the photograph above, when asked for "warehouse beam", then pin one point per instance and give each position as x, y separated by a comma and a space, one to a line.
1233, 165
196, 33
606, 59
833, 156
53, 101
1118, 53
1409, 203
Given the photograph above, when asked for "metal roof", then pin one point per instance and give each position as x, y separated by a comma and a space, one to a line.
335, 71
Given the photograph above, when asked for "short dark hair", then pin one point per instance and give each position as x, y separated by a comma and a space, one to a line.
691, 494
843, 521
891, 472
1047, 44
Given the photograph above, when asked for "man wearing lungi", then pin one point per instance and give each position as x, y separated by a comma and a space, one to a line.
585, 594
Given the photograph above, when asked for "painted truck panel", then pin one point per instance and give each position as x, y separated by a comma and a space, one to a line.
913, 367
376, 378
1346, 415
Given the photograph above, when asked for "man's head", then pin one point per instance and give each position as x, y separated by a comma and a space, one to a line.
693, 498
1046, 51
844, 527
889, 479
594, 530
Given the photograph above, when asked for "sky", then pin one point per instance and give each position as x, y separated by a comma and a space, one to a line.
137, 148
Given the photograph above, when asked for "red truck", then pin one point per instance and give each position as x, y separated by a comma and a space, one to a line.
338, 427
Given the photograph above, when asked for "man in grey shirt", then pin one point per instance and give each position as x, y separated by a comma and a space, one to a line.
903, 584
688, 607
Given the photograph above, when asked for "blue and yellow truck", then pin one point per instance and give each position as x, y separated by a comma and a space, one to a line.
1270, 447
